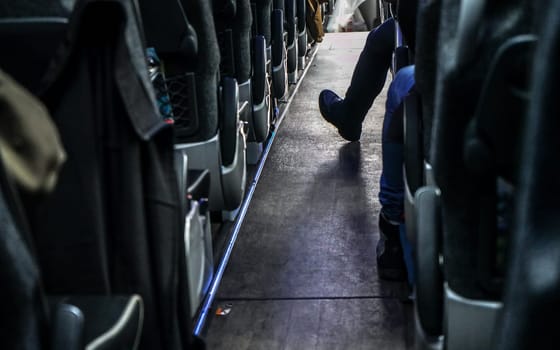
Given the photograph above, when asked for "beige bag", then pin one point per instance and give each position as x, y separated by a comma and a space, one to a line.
29, 142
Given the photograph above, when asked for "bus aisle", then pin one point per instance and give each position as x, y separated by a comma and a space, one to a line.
302, 274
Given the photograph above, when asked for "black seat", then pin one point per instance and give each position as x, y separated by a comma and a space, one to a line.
31, 320
233, 21
290, 14
269, 22
478, 106
250, 72
176, 44
262, 10
261, 52
301, 12
531, 293
251, 65
205, 107
421, 202
278, 50
223, 148
118, 188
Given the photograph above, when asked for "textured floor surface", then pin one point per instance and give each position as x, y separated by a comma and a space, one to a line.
302, 274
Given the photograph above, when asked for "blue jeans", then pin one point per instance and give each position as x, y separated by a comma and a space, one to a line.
391, 193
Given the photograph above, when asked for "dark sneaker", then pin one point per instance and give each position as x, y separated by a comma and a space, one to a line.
329, 105
390, 259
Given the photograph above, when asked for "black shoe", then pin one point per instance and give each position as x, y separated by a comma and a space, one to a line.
390, 259
329, 105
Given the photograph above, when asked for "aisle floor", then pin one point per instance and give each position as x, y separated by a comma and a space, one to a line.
302, 274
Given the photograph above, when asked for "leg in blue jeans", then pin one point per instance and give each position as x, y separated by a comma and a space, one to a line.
390, 255
391, 194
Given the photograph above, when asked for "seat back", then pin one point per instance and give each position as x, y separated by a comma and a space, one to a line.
167, 29
35, 8
24, 317
224, 13
242, 41
290, 26
301, 9
483, 56
419, 107
176, 42
31, 320
205, 68
462, 74
531, 295
118, 188
14, 34
262, 22
426, 60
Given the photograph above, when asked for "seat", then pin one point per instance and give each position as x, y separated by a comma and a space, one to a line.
278, 49
269, 22
118, 188
223, 148
194, 185
240, 62
291, 21
205, 107
262, 12
194, 188
531, 287
301, 13
422, 197
225, 14
252, 78
263, 104
479, 104
31, 319
75, 323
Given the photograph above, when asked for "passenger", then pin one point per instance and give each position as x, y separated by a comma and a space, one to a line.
348, 114
390, 261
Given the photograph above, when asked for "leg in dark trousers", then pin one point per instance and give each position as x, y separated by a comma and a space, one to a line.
367, 81
370, 72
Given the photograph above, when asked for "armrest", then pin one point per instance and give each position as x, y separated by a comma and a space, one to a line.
107, 322
277, 22
259, 69
230, 119
67, 328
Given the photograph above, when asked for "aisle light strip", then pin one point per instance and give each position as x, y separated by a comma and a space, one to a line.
209, 300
